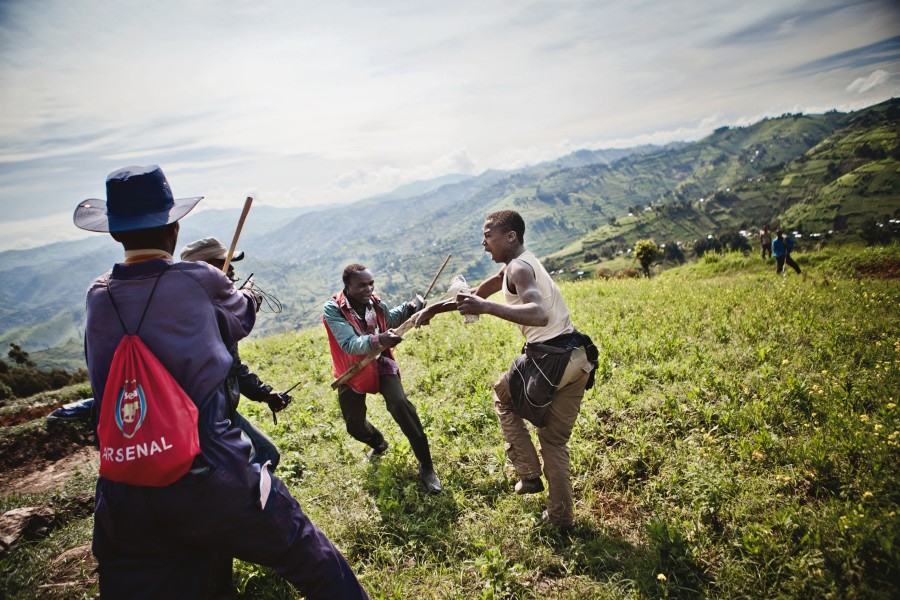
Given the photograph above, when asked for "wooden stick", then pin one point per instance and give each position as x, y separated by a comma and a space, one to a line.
433, 281
406, 326
237, 233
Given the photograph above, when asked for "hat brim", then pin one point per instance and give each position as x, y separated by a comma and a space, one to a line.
91, 215
237, 256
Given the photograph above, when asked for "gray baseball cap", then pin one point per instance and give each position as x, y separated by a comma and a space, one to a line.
208, 248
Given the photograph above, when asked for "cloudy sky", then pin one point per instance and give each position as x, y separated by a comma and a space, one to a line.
308, 102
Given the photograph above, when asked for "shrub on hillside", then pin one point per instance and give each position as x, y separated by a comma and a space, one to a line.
645, 252
628, 274
24, 379
733, 241
879, 232
710, 244
671, 252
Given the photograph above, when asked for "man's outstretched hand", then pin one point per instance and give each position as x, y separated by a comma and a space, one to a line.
423, 317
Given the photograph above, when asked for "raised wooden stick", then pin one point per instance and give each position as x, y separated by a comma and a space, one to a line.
406, 326
433, 281
237, 233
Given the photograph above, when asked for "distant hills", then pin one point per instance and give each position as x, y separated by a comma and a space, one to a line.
808, 172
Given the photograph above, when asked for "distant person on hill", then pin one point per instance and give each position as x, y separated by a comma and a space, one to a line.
546, 383
240, 380
159, 541
781, 248
358, 323
765, 242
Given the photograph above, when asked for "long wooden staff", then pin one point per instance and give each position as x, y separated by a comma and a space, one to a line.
406, 326
237, 233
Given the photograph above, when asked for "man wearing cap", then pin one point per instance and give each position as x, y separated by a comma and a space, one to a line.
158, 542
240, 380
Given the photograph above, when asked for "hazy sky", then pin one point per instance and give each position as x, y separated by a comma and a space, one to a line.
309, 102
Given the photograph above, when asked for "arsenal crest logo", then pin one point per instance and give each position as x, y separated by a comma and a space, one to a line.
131, 408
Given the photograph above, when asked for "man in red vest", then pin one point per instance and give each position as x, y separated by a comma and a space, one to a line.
358, 323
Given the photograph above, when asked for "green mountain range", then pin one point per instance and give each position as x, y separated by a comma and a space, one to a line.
809, 173
815, 174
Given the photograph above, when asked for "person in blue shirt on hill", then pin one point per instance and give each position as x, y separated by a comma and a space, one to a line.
781, 248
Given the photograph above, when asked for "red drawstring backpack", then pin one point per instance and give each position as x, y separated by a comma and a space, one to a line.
148, 424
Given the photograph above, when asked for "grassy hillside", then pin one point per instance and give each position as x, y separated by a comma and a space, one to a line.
822, 174
566, 203
808, 172
742, 441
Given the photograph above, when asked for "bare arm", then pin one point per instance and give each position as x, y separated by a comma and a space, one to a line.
520, 277
489, 286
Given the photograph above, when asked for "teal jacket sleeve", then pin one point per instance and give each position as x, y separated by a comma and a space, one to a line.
398, 315
347, 337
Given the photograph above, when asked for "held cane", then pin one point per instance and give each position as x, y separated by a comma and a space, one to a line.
237, 233
357, 367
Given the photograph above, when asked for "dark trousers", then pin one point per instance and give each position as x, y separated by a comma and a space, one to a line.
353, 407
265, 449
780, 260
159, 543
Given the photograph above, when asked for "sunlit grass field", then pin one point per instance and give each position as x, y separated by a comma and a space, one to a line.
741, 441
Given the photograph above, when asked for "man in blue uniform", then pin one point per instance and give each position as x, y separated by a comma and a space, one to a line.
158, 542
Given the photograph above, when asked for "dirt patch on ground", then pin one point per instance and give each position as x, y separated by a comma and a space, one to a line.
44, 476
888, 268
623, 517
34, 448
73, 573
42, 456
24, 415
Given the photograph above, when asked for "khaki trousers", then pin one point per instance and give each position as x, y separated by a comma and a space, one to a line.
553, 438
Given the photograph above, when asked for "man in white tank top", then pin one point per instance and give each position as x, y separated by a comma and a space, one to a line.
534, 303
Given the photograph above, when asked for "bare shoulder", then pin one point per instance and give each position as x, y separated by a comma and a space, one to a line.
519, 271
520, 277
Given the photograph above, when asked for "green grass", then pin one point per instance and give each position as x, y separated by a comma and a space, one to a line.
742, 441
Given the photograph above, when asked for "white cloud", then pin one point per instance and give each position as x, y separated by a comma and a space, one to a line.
31, 233
364, 182
312, 102
861, 85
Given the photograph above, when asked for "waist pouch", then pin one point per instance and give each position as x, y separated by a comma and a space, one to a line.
533, 379
535, 374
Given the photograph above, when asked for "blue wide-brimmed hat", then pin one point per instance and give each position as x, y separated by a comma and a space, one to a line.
136, 198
